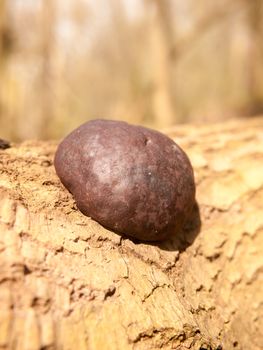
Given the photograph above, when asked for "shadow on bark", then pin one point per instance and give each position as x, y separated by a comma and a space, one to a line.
186, 237
182, 239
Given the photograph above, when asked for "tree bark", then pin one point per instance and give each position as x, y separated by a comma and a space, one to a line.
68, 283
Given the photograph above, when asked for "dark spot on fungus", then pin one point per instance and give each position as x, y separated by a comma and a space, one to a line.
131, 179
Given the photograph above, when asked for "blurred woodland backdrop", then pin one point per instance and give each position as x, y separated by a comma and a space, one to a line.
154, 62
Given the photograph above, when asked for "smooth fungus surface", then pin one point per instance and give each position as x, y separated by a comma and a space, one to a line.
131, 179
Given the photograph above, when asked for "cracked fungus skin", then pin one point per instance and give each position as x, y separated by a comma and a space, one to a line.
130, 179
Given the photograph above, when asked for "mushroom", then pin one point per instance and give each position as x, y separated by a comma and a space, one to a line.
131, 179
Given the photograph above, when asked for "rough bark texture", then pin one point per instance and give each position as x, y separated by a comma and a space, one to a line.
68, 283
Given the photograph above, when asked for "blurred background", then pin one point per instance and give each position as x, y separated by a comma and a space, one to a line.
152, 62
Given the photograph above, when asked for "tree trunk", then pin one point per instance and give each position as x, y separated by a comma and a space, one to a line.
163, 61
47, 76
68, 283
255, 57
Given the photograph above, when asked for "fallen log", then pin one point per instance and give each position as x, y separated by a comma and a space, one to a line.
68, 283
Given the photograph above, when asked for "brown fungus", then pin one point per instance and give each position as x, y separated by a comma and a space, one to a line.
131, 179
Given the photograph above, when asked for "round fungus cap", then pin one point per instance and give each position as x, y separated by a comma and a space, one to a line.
131, 179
